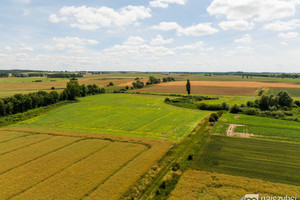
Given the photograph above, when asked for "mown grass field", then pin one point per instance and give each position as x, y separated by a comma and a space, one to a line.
260, 126
204, 185
231, 100
121, 114
43, 164
267, 160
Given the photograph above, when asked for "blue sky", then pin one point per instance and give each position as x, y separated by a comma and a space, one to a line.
155, 35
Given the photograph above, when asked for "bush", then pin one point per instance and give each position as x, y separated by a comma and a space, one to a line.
167, 100
190, 157
203, 106
235, 109
297, 102
250, 111
225, 106
52, 88
175, 167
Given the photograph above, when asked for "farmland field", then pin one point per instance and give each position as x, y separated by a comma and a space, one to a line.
294, 92
79, 164
260, 126
196, 184
267, 160
242, 88
11, 86
122, 114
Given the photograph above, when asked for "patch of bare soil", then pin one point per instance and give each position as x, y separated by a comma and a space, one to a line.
230, 131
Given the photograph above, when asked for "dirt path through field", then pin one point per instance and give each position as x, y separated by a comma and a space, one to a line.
230, 131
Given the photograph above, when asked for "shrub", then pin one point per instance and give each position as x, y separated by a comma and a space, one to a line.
52, 88
175, 167
167, 100
190, 157
235, 109
250, 111
225, 106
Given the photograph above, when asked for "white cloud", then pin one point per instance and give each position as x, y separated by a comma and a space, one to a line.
71, 44
166, 26
283, 43
159, 40
283, 26
134, 40
200, 29
289, 35
197, 30
135, 48
22, 47
244, 49
26, 12
165, 3
22, 1
246, 39
8, 49
257, 9
92, 18
236, 25
54, 19
192, 46
74, 40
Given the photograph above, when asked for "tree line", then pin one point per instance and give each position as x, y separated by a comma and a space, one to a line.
151, 81
20, 103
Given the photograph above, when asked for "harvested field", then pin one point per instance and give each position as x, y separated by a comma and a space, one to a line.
203, 185
11, 86
247, 88
71, 165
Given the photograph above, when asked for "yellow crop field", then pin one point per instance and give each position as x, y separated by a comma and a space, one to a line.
70, 165
6, 136
207, 185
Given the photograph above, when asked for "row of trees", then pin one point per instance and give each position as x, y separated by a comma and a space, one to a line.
22, 102
272, 102
63, 75
152, 80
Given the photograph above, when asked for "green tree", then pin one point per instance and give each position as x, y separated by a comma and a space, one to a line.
2, 108
73, 89
188, 87
264, 102
284, 99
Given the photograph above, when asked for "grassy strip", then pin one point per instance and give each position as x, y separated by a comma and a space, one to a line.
152, 181
13, 119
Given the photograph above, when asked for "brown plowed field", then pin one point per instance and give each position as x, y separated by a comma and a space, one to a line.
218, 87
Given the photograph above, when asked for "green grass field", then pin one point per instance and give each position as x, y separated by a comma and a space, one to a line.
121, 114
294, 92
260, 125
231, 100
266, 160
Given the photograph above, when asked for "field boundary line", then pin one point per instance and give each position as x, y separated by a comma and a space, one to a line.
15, 137
61, 170
203, 124
76, 141
105, 137
25, 146
116, 171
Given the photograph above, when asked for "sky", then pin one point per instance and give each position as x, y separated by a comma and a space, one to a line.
155, 35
